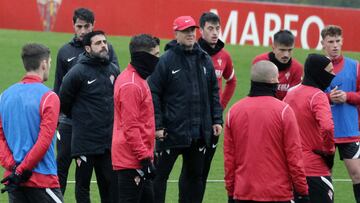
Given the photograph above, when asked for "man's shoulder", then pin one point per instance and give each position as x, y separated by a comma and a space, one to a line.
260, 57
295, 64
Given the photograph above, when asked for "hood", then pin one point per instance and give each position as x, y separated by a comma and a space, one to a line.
315, 74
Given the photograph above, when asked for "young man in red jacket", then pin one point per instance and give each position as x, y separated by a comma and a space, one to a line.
134, 123
210, 29
28, 117
312, 110
344, 95
262, 148
290, 70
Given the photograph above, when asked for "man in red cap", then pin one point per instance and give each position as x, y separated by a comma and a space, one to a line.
187, 111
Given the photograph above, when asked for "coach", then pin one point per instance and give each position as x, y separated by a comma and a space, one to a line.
187, 111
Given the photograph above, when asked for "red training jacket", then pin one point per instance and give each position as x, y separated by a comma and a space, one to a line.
313, 114
287, 78
134, 124
262, 151
224, 68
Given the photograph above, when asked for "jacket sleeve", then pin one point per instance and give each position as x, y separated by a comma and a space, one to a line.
293, 151
130, 101
6, 158
49, 113
321, 110
230, 77
59, 72
70, 87
214, 94
229, 159
157, 83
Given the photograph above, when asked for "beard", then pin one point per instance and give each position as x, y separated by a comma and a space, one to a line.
103, 54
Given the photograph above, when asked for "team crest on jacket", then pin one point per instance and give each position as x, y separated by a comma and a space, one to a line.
112, 78
219, 61
287, 75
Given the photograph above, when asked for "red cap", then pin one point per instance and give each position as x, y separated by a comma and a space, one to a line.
183, 22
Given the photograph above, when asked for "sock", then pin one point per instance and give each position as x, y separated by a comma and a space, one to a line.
356, 189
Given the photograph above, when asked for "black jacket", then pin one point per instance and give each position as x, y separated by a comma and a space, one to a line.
86, 96
171, 88
67, 57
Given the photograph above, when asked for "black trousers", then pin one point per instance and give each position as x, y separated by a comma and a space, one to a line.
31, 195
209, 154
320, 189
133, 188
105, 176
191, 182
63, 158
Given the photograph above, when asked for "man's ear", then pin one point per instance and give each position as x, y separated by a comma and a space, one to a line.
322, 43
87, 48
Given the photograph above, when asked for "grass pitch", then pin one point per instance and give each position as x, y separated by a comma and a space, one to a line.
12, 71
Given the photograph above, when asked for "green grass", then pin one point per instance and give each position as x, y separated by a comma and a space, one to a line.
12, 71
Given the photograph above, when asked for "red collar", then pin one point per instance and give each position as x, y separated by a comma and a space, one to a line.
31, 79
337, 60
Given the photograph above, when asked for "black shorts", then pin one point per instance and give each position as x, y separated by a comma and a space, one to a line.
349, 150
320, 189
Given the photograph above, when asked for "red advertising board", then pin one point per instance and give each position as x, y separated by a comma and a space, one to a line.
242, 22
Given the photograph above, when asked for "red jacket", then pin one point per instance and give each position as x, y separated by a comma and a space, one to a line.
287, 78
50, 106
224, 69
313, 114
262, 151
134, 124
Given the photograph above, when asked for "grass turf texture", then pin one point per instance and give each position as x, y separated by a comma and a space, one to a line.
12, 71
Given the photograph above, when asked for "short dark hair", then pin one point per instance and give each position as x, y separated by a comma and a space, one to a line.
208, 17
143, 42
84, 14
32, 54
331, 30
87, 38
284, 37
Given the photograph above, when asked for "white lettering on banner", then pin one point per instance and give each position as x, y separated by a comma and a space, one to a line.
268, 32
287, 22
250, 29
250, 24
312, 19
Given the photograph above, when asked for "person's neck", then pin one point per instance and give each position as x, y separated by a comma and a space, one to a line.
34, 73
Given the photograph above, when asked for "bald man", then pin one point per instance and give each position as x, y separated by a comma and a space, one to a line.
262, 148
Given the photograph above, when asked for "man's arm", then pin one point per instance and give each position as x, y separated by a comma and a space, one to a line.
6, 158
49, 113
215, 99
321, 109
230, 85
69, 89
157, 82
129, 103
229, 159
293, 151
59, 72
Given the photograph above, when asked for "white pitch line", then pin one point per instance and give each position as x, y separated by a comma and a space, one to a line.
216, 181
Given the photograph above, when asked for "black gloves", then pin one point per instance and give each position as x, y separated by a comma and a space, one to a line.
148, 168
13, 180
328, 158
231, 199
302, 199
